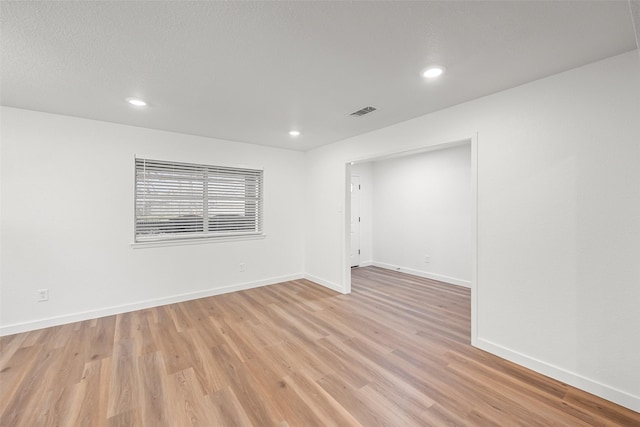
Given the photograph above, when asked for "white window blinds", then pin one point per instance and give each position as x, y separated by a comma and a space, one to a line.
184, 200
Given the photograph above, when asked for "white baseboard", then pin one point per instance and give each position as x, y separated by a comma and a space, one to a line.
365, 264
576, 380
425, 274
325, 283
108, 311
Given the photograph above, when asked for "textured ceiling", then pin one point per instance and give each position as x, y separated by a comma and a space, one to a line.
251, 71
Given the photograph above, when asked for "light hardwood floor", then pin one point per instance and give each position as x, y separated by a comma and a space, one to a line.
395, 353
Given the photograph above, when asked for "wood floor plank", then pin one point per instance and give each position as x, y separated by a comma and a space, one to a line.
227, 410
59, 407
128, 418
355, 403
245, 388
9, 344
283, 398
189, 406
395, 352
92, 394
403, 394
14, 371
23, 403
124, 385
204, 364
326, 408
155, 397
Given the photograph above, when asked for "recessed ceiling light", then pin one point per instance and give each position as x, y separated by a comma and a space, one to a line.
137, 102
294, 133
433, 71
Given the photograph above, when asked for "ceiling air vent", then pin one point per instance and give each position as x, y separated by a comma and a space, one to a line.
362, 112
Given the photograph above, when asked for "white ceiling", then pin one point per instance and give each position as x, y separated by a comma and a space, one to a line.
251, 71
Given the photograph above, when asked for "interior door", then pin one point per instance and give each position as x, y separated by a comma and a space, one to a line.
355, 221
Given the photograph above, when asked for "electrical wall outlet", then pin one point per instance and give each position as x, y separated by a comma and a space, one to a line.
241, 266
42, 295
427, 259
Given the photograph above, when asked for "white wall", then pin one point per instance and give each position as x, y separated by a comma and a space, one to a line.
422, 207
558, 167
67, 221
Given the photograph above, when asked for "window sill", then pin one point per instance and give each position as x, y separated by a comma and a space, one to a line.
197, 241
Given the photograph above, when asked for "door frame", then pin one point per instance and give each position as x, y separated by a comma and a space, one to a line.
346, 241
352, 190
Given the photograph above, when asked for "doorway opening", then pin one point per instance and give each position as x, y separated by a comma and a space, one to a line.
409, 237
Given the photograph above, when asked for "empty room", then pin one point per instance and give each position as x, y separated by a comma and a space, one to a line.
310, 213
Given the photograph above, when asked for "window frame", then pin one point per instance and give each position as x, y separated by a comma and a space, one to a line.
206, 235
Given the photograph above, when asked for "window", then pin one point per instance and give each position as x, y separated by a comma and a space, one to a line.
191, 201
